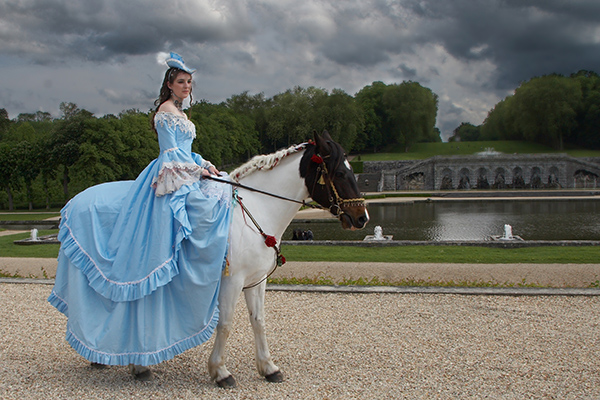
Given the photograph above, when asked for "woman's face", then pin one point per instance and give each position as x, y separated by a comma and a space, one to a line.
182, 85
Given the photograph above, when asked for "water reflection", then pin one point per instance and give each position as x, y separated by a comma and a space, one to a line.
472, 220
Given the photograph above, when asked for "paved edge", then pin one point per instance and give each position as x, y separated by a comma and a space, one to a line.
483, 291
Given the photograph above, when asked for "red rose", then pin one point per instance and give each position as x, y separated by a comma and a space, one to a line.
316, 159
280, 260
270, 241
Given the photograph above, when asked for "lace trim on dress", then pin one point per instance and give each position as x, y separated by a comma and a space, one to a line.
218, 190
173, 175
174, 120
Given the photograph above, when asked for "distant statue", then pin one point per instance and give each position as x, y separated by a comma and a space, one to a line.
378, 233
508, 232
508, 235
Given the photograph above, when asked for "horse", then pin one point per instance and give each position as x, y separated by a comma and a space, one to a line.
270, 190
318, 170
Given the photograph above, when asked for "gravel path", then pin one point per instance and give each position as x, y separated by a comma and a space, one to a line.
336, 346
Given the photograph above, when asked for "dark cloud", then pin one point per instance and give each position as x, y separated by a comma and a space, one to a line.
472, 53
522, 38
404, 72
102, 30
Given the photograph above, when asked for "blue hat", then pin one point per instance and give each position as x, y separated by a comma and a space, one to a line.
175, 61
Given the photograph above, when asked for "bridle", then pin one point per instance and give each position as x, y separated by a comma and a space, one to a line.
337, 203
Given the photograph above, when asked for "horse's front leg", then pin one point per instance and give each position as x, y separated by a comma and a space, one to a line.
255, 301
228, 296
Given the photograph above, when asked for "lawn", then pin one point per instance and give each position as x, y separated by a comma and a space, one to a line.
399, 254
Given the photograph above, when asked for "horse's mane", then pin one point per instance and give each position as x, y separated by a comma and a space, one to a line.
266, 161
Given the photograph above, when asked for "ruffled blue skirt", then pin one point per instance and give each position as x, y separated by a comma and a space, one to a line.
138, 275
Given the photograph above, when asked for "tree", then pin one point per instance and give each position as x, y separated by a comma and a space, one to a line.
370, 99
500, 124
28, 168
340, 115
222, 136
139, 142
67, 136
412, 111
588, 112
466, 132
9, 172
546, 109
5, 123
290, 118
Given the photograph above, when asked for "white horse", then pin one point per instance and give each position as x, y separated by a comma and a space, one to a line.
296, 173
316, 170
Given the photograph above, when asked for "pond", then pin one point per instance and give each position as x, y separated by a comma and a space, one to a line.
573, 219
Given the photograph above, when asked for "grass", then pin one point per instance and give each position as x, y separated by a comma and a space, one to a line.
329, 281
403, 254
445, 254
425, 150
28, 217
9, 249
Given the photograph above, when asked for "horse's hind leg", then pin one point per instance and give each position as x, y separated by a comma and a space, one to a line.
255, 301
228, 297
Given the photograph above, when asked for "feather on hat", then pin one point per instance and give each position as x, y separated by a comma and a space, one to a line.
174, 60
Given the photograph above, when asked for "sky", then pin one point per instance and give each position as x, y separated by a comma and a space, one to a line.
102, 54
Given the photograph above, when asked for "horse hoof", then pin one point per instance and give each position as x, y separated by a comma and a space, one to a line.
227, 383
275, 377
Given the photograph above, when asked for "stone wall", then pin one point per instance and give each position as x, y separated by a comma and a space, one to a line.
497, 171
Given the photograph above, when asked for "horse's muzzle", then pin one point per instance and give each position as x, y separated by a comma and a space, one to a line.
354, 219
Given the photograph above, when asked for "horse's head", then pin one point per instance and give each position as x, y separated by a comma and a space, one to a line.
331, 182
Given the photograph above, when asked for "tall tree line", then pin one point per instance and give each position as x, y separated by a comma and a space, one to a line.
554, 110
44, 161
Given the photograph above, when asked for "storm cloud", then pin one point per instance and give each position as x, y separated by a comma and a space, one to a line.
101, 54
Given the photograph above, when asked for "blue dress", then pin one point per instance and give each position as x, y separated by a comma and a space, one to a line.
140, 263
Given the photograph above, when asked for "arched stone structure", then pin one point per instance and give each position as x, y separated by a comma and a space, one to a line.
482, 178
446, 180
518, 181
535, 182
584, 179
553, 178
510, 171
464, 179
499, 179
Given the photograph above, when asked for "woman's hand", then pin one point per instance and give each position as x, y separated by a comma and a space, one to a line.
213, 171
210, 171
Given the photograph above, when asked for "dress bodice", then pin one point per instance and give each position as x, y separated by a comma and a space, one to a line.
178, 165
174, 132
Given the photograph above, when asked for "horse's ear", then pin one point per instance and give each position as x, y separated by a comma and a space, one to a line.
321, 141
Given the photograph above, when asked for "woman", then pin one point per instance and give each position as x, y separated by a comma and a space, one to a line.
140, 261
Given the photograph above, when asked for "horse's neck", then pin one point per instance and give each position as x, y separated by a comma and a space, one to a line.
273, 214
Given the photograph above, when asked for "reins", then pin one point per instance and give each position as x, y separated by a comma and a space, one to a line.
239, 185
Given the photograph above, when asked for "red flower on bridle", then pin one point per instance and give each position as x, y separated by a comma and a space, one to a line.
316, 159
270, 241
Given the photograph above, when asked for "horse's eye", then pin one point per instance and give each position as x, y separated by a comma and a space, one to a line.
339, 174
